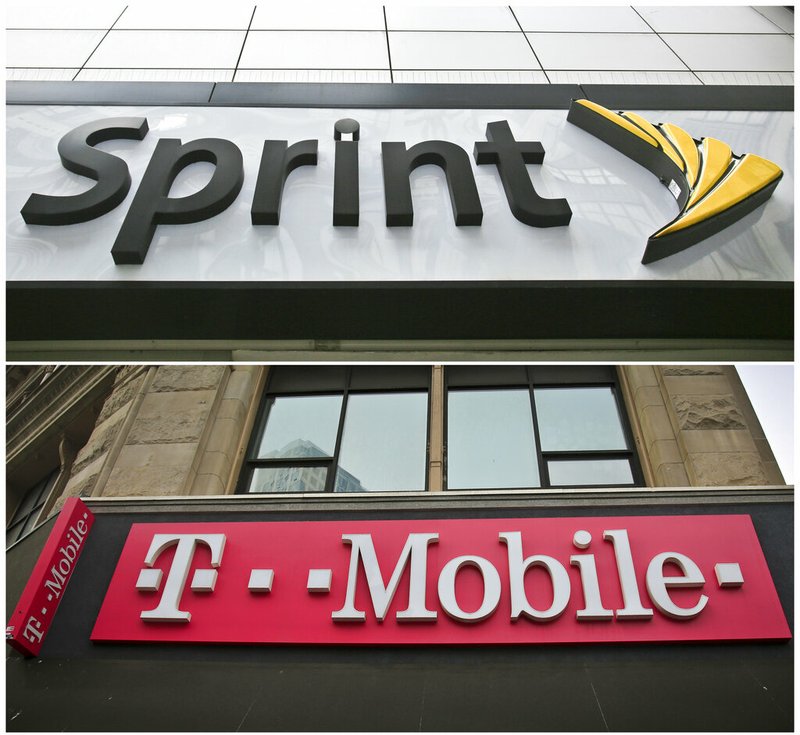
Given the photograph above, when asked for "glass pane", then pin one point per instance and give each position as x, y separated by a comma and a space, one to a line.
307, 379
47, 487
590, 472
573, 419
288, 480
480, 376
490, 442
390, 377
32, 519
13, 533
384, 443
30, 499
301, 426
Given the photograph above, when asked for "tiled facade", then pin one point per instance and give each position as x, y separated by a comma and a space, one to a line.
245, 42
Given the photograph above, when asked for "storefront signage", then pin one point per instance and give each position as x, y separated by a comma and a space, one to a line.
714, 187
152, 204
44, 591
488, 581
318, 196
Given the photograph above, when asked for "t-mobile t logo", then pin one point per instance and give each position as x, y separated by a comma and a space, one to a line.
202, 581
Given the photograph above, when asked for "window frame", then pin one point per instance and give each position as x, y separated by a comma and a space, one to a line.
252, 462
543, 377
281, 382
42, 489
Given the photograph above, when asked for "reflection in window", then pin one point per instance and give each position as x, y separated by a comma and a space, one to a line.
490, 440
384, 442
574, 419
301, 426
356, 429
590, 472
288, 480
536, 426
25, 517
365, 430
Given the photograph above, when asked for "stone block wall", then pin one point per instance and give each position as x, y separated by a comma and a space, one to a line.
696, 427
93, 458
168, 431
216, 468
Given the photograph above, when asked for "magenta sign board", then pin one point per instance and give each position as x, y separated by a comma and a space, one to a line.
458, 581
31, 618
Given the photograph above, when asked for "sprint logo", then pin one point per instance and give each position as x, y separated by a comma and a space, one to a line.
714, 187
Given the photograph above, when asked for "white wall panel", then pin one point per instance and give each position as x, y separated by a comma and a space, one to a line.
460, 50
169, 50
735, 52
706, 19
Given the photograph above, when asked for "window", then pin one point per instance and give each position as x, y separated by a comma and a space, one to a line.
537, 427
340, 429
465, 427
25, 517
51, 411
490, 441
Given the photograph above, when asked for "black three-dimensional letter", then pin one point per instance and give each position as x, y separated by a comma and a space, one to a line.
78, 155
398, 163
152, 205
277, 162
510, 158
345, 177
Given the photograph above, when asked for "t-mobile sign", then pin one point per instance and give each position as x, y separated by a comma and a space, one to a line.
31, 618
487, 581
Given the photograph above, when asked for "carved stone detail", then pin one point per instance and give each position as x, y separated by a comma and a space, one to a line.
718, 412
681, 371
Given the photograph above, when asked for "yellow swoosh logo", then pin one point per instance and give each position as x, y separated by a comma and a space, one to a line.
713, 186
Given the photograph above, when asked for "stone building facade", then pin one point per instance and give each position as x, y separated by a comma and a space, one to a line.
697, 427
170, 431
